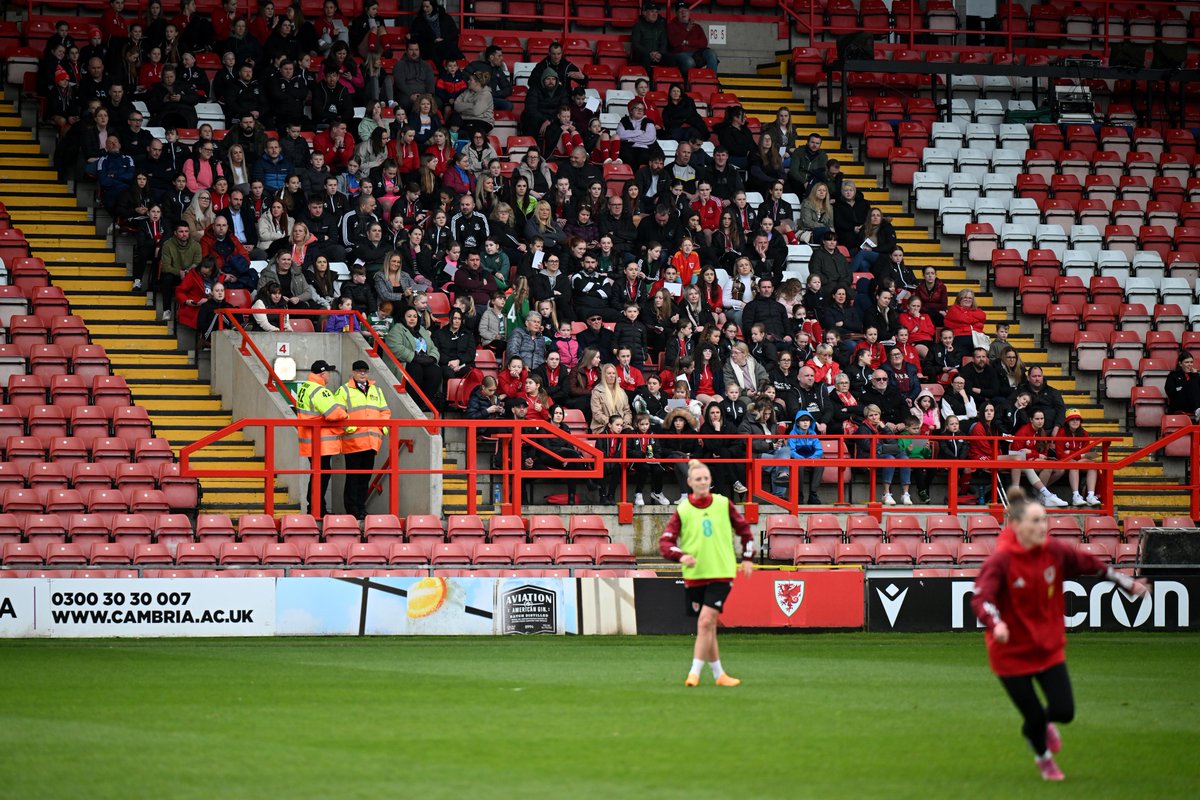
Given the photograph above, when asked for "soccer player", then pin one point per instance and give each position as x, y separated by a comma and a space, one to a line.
1019, 597
700, 537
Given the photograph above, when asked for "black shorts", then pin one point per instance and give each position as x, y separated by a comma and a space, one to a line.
712, 595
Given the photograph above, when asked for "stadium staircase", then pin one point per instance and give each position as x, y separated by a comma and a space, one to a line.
922, 249
143, 350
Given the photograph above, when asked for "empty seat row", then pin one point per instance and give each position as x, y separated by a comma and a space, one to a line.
318, 572
130, 550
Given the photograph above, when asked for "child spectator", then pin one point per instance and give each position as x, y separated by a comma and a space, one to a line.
926, 409
999, 344
643, 447
915, 446
1075, 440
954, 448
630, 333
870, 342
346, 321
611, 446
806, 446
511, 382
649, 399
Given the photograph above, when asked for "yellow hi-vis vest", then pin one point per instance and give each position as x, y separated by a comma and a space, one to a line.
313, 401
361, 407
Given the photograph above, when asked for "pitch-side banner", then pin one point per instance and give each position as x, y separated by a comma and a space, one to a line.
78, 607
944, 604
425, 606
767, 599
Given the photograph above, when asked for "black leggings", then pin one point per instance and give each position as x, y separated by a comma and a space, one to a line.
1060, 703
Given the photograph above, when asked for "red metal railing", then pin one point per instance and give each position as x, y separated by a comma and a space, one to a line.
228, 317
512, 439
810, 20
518, 439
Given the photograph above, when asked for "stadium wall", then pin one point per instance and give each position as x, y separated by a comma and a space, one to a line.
352, 606
240, 381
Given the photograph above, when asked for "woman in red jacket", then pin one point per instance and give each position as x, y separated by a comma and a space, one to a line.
1019, 598
965, 318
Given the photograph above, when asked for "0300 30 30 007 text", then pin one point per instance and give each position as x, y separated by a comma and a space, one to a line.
143, 599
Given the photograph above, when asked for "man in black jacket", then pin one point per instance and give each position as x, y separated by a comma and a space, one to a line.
597, 336
812, 397
983, 382
247, 96
168, 98
1045, 398
286, 93
770, 312
724, 177
580, 172
615, 223
324, 226
662, 227
592, 291
330, 101
468, 227
893, 411
242, 223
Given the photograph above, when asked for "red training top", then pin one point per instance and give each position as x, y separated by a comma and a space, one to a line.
1023, 588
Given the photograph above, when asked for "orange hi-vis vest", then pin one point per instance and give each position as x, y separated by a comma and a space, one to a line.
313, 401
360, 408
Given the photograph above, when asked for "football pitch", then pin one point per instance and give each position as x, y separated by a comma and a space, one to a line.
821, 716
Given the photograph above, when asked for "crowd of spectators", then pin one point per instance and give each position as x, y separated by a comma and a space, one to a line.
661, 308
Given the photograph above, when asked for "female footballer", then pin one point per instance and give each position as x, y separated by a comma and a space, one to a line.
1018, 596
700, 537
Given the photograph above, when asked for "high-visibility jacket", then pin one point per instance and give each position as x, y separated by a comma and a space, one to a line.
362, 407
314, 400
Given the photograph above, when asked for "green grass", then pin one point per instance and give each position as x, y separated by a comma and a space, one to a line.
829, 716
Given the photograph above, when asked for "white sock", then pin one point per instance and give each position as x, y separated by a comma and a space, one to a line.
697, 666
717, 670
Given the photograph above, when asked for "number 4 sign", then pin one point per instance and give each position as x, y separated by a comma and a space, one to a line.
283, 350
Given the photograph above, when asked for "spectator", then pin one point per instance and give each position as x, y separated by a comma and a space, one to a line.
1075, 440
270, 298
894, 411
435, 32
982, 381
1183, 387
608, 399
933, 296
637, 134
920, 326
1012, 372
878, 236
850, 215
1033, 441
958, 401
945, 359
542, 102
880, 441
413, 346
808, 165
345, 321
903, 376
1045, 397
648, 43
195, 289
528, 342
965, 319
816, 212
688, 42
805, 446
499, 80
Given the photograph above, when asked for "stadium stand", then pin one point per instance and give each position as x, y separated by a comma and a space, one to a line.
1091, 231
